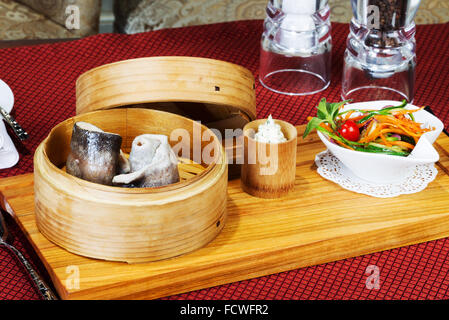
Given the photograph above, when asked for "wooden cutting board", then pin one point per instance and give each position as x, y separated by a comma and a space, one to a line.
318, 222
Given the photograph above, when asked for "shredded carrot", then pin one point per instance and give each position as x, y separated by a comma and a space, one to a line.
370, 126
348, 115
384, 140
360, 118
393, 120
393, 130
402, 144
344, 145
326, 126
406, 111
398, 121
373, 135
399, 124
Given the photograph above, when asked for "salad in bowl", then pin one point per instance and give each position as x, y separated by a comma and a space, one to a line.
377, 140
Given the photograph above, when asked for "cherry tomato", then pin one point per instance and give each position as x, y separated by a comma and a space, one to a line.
350, 131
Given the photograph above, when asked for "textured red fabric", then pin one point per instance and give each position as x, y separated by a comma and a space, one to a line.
43, 80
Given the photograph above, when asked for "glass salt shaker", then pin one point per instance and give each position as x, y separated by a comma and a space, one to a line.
295, 57
380, 59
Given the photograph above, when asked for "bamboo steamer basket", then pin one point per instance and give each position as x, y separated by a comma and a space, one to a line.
219, 94
123, 224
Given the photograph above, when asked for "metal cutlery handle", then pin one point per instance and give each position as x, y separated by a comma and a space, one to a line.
43, 288
18, 130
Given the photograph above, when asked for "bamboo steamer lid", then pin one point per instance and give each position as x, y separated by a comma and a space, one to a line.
219, 94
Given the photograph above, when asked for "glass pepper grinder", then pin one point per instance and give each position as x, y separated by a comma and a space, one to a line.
380, 59
295, 56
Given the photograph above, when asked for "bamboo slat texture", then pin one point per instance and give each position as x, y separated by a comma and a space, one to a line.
317, 222
130, 224
219, 94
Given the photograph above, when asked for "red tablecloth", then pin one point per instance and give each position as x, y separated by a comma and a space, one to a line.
43, 80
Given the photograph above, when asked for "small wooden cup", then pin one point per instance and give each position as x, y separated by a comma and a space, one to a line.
269, 169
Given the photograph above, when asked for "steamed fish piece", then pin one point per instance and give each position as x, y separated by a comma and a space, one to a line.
95, 155
152, 162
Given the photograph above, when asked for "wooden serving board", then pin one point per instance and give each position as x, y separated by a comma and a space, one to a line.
318, 222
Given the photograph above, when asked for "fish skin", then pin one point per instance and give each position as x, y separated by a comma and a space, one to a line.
94, 155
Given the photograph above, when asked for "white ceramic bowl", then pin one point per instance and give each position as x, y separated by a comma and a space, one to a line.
382, 168
8, 152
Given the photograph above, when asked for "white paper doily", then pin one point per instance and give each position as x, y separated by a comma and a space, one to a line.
416, 180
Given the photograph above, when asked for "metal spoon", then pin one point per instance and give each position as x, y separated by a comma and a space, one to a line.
43, 288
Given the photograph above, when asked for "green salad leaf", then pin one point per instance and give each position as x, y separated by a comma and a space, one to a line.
330, 114
326, 112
